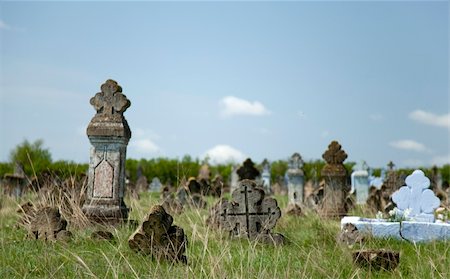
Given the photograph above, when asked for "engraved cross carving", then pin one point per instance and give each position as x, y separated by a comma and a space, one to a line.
250, 213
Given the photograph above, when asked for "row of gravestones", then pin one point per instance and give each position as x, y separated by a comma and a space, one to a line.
250, 214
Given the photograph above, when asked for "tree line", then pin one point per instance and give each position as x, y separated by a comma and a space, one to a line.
36, 159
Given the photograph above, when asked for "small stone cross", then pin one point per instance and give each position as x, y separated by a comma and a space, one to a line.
391, 165
110, 100
416, 197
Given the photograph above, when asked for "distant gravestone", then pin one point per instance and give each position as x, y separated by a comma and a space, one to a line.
417, 198
156, 236
234, 179
47, 224
249, 214
295, 179
14, 184
108, 134
265, 176
335, 176
141, 184
204, 173
156, 185
248, 170
360, 183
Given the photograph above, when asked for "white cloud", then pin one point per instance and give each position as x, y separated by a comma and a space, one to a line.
143, 141
145, 146
4, 26
231, 106
408, 145
441, 160
431, 118
222, 154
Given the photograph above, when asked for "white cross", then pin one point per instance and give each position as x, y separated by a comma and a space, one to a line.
416, 197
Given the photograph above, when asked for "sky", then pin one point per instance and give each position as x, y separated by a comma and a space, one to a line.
231, 80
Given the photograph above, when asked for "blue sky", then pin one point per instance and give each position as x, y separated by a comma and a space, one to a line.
232, 79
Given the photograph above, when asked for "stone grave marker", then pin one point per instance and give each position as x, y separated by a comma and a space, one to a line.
14, 184
360, 183
108, 134
156, 236
47, 224
156, 185
248, 170
335, 176
249, 214
265, 176
234, 178
295, 181
415, 197
141, 184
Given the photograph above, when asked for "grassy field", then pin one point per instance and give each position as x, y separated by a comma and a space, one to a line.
311, 252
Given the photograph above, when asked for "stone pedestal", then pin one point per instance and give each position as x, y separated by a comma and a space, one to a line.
335, 177
109, 134
265, 177
295, 180
360, 183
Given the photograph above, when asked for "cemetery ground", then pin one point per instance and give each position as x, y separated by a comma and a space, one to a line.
311, 251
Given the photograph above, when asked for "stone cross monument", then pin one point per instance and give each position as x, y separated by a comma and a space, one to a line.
108, 134
335, 176
295, 180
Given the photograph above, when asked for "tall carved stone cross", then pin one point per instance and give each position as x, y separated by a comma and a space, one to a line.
334, 155
110, 100
249, 214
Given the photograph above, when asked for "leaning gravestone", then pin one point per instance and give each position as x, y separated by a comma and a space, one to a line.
157, 237
109, 134
295, 181
335, 176
248, 215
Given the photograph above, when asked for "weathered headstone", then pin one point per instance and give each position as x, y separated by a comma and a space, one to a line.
156, 185
109, 134
249, 214
14, 184
265, 176
248, 170
360, 183
335, 176
157, 237
47, 224
141, 184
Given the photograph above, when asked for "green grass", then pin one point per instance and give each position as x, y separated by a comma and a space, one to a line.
311, 252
